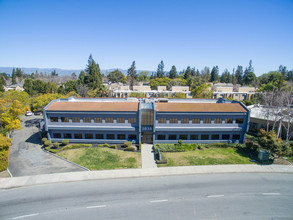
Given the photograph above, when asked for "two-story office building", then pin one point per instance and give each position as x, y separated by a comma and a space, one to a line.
112, 121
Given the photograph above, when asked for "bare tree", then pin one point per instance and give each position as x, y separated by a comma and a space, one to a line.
82, 90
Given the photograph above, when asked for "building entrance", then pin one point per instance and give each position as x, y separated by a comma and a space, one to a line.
147, 137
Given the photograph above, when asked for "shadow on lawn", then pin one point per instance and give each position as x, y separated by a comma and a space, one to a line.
253, 156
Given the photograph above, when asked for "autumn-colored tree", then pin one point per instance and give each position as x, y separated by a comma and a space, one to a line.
43, 100
4, 152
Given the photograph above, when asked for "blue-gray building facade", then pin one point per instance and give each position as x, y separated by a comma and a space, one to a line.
115, 121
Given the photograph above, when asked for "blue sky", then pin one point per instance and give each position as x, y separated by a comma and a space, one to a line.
62, 34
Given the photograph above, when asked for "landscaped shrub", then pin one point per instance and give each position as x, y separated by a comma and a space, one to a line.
78, 146
56, 145
44, 139
65, 142
180, 142
127, 143
130, 148
47, 143
139, 145
114, 146
104, 145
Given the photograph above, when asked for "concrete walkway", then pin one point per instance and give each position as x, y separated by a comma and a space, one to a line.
6, 183
147, 156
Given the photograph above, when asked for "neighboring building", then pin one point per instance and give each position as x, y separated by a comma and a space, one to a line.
15, 87
108, 120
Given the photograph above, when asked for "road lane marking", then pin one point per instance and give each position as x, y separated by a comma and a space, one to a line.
97, 206
162, 200
214, 196
26, 216
271, 194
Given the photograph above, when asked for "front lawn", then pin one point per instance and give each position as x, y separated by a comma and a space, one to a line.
100, 158
206, 156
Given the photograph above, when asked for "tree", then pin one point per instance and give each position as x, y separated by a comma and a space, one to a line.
270, 141
13, 76
187, 73
226, 77
132, 76
43, 100
82, 90
28, 86
283, 70
159, 82
239, 74
116, 76
160, 70
2, 83
143, 76
54, 74
248, 78
206, 74
94, 74
202, 91
215, 74
99, 92
173, 72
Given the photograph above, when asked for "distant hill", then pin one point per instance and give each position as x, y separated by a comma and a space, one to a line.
61, 72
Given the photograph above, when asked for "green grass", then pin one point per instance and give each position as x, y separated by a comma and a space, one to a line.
102, 158
210, 156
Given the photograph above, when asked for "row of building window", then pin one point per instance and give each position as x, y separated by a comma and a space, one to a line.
198, 137
96, 120
197, 120
94, 136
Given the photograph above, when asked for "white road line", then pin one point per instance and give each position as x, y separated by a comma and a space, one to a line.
97, 206
25, 216
214, 196
163, 200
271, 194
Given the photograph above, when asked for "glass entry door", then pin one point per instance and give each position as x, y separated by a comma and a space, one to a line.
147, 137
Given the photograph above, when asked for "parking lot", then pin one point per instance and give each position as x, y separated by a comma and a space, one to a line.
26, 156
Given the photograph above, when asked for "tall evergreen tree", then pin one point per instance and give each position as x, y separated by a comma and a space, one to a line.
239, 75
283, 70
187, 73
173, 72
215, 74
160, 70
226, 77
13, 77
94, 74
249, 76
132, 75
250, 68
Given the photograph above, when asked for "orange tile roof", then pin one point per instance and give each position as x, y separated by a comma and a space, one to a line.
93, 106
199, 107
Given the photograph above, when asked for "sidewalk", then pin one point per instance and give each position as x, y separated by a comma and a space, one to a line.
6, 183
147, 156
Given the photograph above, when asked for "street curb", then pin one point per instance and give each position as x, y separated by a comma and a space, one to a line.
15, 182
65, 159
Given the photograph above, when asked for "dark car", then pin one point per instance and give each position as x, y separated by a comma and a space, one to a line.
38, 113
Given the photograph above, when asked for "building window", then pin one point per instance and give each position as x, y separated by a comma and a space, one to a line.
120, 120
226, 136
110, 136
161, 137
229, 120
196, 121
132, 136
88, 136
183, 137
193, 137
132, 120
97, 120
162, 120
109, 120
207, 120
217, 121
172, 137
76, 119
99, 136
215, 137
204, 137
56, 135
54, 119
184, 120
67, 136
121, 136
239, 120
173, 120
64, 119
86, 120
78, 136
236, 136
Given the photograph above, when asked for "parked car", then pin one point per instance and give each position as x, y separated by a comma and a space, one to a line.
28, 113
38, 113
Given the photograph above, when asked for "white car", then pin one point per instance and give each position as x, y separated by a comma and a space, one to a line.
28, 113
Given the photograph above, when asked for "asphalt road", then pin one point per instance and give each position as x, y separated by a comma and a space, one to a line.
212, 196
26, 156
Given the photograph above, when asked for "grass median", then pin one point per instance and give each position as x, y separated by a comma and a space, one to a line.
209, 156
100, 158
